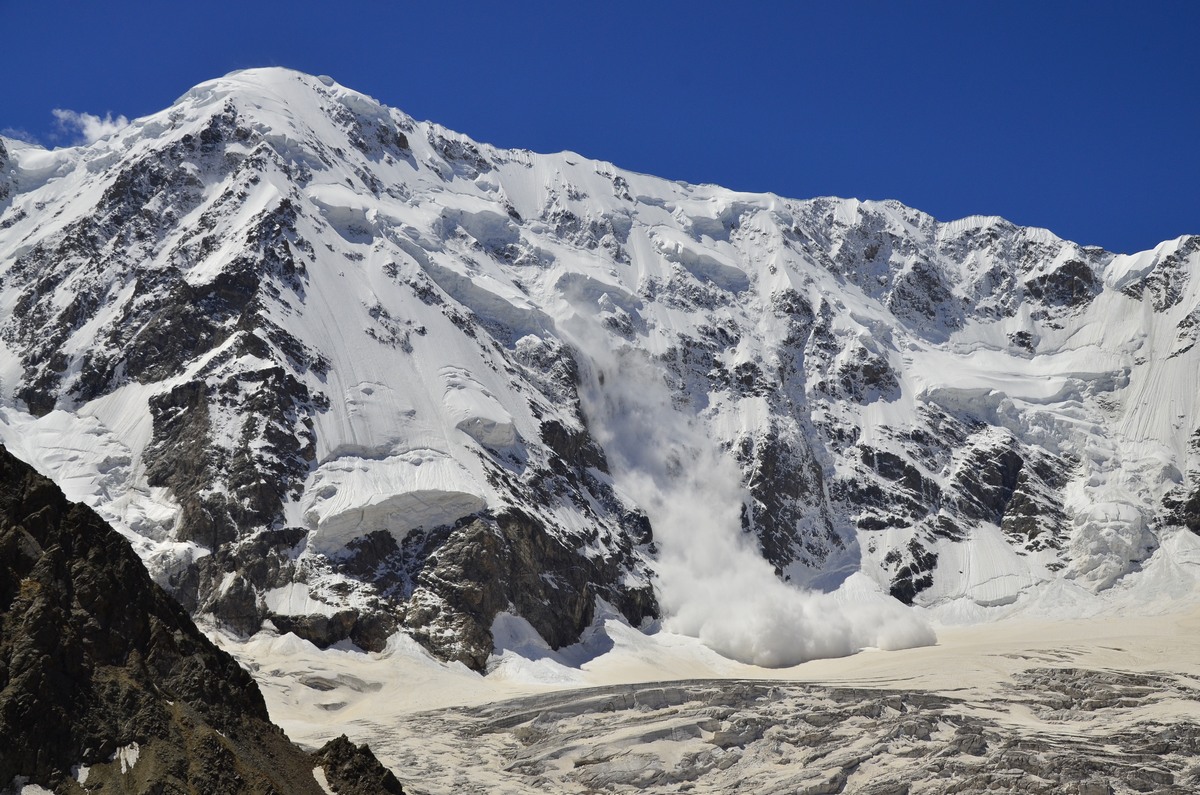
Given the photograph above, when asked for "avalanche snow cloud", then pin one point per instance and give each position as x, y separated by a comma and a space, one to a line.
347, 374
713, 582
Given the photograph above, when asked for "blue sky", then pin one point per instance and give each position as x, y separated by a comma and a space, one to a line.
1080, 117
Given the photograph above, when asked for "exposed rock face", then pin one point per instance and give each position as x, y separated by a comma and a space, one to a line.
106, 685
491, 565
321, 351
354, 770
6, 186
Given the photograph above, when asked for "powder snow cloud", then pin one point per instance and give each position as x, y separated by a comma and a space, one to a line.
712, 582
88, 126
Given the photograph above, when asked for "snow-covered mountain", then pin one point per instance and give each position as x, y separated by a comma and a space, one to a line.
347, 372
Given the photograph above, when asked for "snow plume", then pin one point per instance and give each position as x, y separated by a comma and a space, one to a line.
18, 135
713, 583
89, 127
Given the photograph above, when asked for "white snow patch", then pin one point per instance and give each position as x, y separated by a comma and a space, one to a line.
701, 264
351, 497
294, 599
322, 781
475, 411
985, 569
521, 655
127, 755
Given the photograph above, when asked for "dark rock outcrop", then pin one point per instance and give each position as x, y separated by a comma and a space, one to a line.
353, 770
105, 680
509, 562
5, 186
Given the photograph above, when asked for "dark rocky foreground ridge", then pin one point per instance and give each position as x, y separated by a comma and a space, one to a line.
107, 686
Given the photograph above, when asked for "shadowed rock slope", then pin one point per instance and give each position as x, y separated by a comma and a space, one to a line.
106, 685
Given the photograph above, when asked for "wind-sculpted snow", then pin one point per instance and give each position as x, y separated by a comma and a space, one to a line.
320, 345
352, 497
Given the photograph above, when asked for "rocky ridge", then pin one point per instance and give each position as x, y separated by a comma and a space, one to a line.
106, 685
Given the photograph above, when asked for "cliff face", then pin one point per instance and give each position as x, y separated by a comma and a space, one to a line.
104, 679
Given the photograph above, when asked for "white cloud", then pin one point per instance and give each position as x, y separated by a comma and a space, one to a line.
88, 126
15, 134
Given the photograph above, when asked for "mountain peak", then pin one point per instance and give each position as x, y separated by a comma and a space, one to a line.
273, 83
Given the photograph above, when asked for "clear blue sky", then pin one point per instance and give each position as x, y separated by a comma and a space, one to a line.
1080, 117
